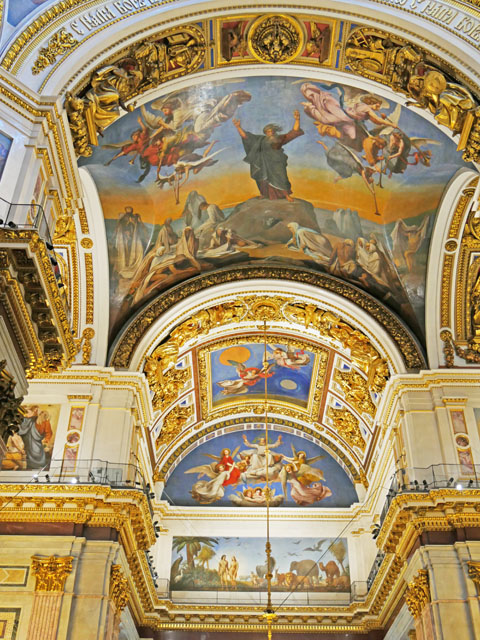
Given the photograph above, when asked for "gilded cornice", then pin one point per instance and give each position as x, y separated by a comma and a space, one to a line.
58, 15
439, 510
125, 510
406, 343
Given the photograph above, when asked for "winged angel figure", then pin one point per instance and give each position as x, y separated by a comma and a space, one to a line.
357, 150
222, 472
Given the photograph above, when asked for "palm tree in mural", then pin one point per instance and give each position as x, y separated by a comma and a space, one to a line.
339, 551
192, 546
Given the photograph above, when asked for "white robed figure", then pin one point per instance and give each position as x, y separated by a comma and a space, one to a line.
259, 459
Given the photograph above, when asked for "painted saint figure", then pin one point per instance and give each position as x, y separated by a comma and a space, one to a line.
267, 160
36, 433
131, 238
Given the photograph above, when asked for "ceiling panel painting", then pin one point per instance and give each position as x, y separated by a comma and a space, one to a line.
243, 371
273, 169
230, 471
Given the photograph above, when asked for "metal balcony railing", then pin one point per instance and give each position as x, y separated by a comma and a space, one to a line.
117, 475
425, 479
31, 217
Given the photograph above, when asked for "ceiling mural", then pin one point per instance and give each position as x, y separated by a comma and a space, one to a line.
245, 370
230, 471
271, 169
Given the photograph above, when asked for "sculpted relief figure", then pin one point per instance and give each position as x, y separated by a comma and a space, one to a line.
405, 68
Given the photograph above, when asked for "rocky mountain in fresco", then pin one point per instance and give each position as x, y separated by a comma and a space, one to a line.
265, 221
321, 176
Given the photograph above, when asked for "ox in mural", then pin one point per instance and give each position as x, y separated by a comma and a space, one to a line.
273, 169
239, 564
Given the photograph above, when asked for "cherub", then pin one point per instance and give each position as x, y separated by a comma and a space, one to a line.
290, 359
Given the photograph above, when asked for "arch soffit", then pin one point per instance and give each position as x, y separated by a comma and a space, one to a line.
118, 29
156, 320
338, 416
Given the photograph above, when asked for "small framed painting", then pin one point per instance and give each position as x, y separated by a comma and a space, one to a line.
5, 145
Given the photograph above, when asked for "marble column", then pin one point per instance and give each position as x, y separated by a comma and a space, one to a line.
51, 574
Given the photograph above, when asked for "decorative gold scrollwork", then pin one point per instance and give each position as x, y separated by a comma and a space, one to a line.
356, 391
51, 573
165, 355
474, 572
172, 54
417, 595
119, 591
347, 426
173, 424
362, 352
57, 45
406, 68
275, 38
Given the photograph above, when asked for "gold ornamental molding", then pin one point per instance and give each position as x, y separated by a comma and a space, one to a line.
88, 19
275, 38
428, 81
125, 348
474, 572
172, 54
417, 595
119, 591
51, 573
58, 44
460, 288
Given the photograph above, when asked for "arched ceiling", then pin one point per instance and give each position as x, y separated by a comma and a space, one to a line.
352, 190
327, 367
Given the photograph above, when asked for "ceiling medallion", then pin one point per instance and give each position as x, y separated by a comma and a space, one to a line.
275, 38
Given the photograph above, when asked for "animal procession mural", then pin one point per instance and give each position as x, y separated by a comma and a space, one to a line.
314, 174
30, 445
239, 371
231, 471
239, 564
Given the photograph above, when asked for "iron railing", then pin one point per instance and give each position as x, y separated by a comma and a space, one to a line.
425, 479
31, 217
117, 475
260, 598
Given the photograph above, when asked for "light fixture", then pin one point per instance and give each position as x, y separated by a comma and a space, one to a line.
12, 224
47, 477
269, 614
49, 246
459, 486
74, 480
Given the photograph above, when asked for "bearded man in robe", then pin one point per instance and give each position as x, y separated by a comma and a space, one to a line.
267, 160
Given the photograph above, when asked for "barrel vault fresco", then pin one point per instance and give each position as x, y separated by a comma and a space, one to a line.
276, 169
